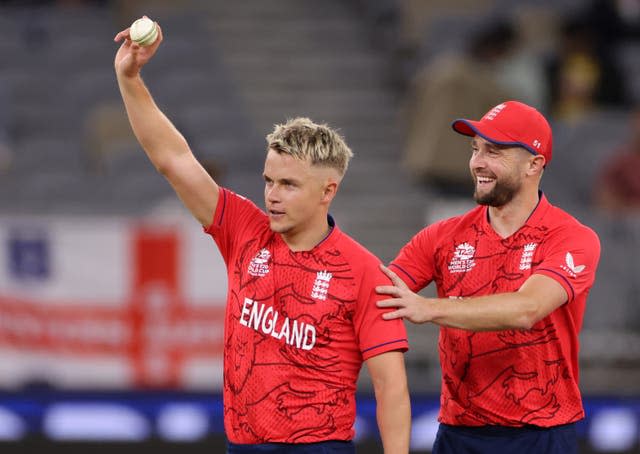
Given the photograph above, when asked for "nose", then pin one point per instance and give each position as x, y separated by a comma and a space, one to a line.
271, 193
477, 160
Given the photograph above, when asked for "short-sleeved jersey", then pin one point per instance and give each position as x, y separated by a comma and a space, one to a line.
509, 377
298, 327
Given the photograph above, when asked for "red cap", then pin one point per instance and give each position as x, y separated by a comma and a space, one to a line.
511, 123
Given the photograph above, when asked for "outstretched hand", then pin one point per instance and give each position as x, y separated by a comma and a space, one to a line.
409, 304
131, 57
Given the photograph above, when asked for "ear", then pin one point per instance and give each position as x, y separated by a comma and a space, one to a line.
330, 190
536, 165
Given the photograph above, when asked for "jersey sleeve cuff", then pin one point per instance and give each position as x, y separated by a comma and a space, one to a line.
560, 279
405, 276
389, 346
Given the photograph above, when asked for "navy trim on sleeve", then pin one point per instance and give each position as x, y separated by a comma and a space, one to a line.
407, 274
573, 294
386, 343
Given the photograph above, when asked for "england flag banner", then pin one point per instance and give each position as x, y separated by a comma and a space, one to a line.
110, 303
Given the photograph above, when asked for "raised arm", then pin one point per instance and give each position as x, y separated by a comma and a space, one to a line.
163, 143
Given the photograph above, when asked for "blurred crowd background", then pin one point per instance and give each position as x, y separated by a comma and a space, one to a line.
83, 214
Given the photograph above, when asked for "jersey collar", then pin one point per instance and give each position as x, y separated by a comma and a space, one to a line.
539, 211
327, 241
534, 218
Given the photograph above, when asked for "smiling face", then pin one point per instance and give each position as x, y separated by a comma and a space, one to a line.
297, 194
498, 171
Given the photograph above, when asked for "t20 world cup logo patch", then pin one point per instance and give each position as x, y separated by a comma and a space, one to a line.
259, 265
462, 260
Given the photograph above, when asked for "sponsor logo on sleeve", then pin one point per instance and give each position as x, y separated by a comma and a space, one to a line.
570, 267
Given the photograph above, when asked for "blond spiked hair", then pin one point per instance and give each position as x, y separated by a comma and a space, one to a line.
304, 139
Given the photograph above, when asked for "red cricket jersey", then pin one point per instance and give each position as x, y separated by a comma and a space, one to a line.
298, 326
510, 377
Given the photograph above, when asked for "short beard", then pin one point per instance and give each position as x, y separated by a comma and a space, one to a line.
501, 194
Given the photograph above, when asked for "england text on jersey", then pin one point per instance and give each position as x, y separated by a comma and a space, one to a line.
260, 317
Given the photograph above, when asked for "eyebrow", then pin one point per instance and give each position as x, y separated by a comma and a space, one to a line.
494, 146
281, 180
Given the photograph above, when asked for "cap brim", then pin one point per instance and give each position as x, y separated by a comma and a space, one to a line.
473, 128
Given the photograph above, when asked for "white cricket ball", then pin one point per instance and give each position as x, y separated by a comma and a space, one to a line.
143, 31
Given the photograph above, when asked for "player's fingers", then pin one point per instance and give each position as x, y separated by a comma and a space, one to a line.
389, 290
395, 302
393, 315
159, 38
124, 34
152, 47
393, 276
